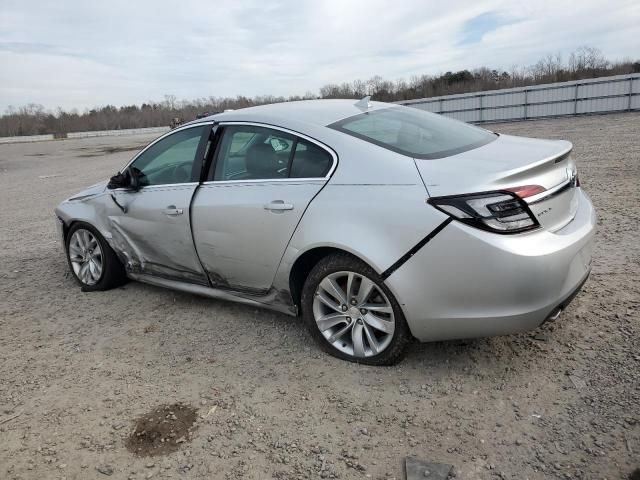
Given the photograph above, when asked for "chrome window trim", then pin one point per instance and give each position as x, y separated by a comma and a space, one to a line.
326, 148
272, 180
155, 187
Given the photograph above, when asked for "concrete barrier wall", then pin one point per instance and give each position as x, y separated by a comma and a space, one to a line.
26, 138
117, 133
100, 133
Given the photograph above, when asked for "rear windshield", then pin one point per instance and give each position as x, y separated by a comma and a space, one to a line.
414, 132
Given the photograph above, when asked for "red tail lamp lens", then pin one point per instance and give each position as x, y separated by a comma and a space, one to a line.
527, 190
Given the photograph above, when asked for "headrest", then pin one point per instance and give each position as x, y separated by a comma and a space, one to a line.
261, 161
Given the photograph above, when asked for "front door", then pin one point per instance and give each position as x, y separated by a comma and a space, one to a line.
261, 181
154, 234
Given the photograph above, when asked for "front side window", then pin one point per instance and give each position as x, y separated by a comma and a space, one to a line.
414, 132
248, 152
171, 159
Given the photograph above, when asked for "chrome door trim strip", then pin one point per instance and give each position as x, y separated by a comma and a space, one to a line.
319, 180
161, 186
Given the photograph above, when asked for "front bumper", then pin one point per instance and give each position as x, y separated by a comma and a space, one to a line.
60, 228
469, 283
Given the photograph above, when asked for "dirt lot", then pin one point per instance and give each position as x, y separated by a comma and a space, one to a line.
78, 368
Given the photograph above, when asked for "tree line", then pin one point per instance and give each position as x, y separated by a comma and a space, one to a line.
585, 62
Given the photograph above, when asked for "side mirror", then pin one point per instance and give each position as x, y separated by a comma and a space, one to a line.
128, 179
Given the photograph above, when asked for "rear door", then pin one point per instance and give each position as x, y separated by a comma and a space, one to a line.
259, 185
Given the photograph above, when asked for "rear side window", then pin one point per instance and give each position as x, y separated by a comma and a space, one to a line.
253, 153
310, 161
248, 152
414, 132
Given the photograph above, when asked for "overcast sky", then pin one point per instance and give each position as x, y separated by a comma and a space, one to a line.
79, 53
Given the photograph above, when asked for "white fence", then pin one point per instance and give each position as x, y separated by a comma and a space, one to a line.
100, 133
599, 95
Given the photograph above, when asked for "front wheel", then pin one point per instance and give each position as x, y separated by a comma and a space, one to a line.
93, 263
352, 314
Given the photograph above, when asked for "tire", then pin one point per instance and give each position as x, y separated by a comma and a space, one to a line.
111, 273
372, 330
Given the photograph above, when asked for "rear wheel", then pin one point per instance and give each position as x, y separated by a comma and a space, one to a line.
352, 314
93, 263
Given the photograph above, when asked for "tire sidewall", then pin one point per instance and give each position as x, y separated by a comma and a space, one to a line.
337, 263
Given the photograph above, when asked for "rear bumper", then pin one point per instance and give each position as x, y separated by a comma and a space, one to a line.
469, 283
565, 303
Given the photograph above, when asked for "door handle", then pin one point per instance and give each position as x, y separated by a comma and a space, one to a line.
278, 206
172, 211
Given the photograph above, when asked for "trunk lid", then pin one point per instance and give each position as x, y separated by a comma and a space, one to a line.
506, 163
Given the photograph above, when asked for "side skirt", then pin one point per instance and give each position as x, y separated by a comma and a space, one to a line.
272, 300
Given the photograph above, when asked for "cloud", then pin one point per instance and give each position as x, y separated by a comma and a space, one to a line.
82, 54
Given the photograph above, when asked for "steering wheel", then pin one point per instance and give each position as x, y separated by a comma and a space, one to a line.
181, 173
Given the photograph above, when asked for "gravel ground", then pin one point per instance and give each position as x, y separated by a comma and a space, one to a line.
79, 368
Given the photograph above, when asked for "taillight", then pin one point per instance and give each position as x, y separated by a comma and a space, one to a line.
527, 190
500, 212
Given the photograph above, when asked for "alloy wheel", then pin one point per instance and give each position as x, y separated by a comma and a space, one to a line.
353, 314
86, 256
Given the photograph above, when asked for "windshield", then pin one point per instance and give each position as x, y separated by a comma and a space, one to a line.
414, 132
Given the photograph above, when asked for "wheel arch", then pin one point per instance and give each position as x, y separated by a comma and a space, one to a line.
113, 271
88, 211
305, 262
68, 225
68, 222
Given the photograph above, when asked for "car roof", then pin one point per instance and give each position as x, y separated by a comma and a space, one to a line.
289, 114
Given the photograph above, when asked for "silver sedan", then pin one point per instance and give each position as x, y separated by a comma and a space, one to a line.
375, 223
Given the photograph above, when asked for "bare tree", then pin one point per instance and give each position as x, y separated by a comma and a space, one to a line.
170, 101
